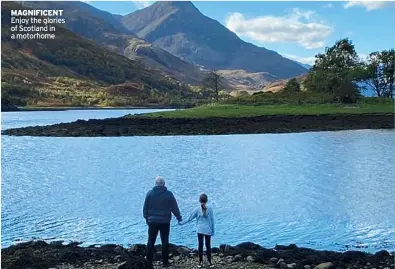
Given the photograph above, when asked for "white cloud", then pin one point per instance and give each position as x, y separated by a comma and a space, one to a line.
329, 5
296, 27
142, 4
368, 5
303, 60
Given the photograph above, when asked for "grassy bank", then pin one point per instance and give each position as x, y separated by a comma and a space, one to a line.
232, 111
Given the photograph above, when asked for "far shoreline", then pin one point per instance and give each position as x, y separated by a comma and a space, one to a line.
142, 125
67, 108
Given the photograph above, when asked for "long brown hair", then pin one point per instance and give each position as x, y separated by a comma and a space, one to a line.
203, 200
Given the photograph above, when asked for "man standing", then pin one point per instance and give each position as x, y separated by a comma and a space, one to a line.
158, 206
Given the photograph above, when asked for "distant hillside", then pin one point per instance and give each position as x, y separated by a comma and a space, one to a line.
241, 80
84, 19
280, 84
181, 29
107, 30
307, 66
71, 70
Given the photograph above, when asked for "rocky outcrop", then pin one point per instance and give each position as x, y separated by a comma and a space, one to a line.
40, 254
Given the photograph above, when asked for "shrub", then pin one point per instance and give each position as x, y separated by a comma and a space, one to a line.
292, 86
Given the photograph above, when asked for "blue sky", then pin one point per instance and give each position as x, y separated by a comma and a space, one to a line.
297, 30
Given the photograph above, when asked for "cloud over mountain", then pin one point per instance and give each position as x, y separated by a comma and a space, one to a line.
298, 26
303, 60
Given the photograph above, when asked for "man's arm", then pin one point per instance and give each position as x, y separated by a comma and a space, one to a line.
174, 207
146, 205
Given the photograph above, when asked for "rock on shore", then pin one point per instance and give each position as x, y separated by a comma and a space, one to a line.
140, 125
55, 255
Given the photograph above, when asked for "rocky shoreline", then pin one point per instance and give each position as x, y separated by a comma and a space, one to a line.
143, 126
56, 255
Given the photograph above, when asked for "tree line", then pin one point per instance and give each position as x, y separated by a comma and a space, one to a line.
379, 72
340, 73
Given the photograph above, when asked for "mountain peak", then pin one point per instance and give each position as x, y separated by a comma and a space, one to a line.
185, 6
177, 3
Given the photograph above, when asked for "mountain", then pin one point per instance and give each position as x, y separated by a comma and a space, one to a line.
86, 21
182, 30
307, 66
107, 30
240, 80
73, 70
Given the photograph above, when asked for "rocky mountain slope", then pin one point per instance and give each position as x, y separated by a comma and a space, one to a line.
118, 34
182, 30
106, 29
240, 80
72, 70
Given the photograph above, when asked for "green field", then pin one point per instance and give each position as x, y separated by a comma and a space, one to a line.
232, 111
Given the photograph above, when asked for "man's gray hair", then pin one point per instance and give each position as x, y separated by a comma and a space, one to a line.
159, 181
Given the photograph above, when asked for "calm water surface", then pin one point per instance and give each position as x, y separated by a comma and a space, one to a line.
326, 190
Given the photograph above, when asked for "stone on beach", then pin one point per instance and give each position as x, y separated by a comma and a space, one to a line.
325, 265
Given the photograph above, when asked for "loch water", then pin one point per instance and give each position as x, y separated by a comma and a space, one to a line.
325, 190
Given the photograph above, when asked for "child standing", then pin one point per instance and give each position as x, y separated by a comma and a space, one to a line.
204, 227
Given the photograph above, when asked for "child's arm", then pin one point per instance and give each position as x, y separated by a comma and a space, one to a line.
191, 217
212, 221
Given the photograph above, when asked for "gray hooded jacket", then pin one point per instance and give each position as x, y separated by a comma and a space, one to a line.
159, 204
